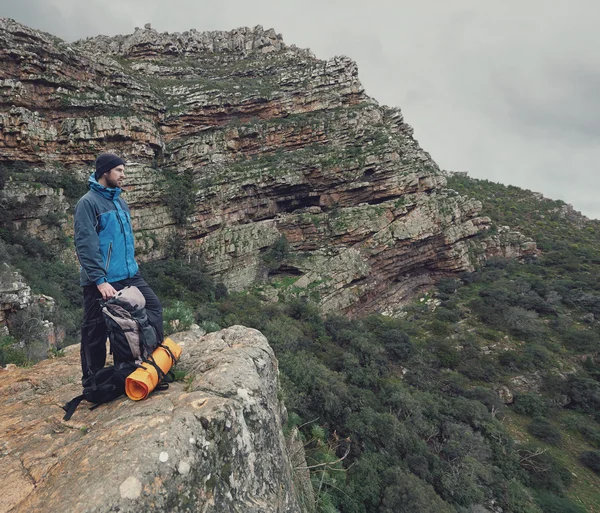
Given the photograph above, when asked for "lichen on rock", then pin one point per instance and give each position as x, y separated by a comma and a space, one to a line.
213, 443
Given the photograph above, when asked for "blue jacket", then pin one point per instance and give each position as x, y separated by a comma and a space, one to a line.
103, 236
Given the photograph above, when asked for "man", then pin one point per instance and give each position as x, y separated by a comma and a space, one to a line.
105, 248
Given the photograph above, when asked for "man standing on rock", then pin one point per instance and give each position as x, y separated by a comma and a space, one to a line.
105, 249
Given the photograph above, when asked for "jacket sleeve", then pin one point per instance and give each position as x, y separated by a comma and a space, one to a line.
87, 243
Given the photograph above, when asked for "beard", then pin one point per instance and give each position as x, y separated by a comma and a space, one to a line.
112, 182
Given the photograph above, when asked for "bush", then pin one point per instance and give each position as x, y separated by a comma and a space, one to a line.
210, 326
27, 326
544, 471
409, 493
397, 344
545, 431
477, 367
584, 394
180, 195
487, 397
591, 459
277, 253
178, 317
447, 315
449, 285
533, 405
522, 323
179, 280
591, 434
447, 355
550, 503
581, 341
10, 352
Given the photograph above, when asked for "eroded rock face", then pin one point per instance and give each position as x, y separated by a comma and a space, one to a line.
274, 141
15, 294
213, 443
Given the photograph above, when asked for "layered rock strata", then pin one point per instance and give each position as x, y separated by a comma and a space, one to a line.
213, 443
268, 141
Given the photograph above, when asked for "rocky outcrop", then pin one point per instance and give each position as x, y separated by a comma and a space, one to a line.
211, 443
261, 140
15, 294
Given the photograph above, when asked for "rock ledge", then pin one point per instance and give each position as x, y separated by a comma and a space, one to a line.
213, 443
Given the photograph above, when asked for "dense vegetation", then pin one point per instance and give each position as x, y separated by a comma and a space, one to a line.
404, 414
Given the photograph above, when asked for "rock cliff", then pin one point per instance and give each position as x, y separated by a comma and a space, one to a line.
234, 141
213, 443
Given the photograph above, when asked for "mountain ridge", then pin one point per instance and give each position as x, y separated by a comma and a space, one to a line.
230, 153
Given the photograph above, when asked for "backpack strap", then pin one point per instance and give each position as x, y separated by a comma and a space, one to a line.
71, 406
159, 371
166, 348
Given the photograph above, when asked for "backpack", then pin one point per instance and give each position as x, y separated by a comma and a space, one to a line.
132, 341
132, 337
107, 384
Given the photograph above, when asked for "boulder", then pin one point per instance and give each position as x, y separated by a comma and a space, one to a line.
212, 442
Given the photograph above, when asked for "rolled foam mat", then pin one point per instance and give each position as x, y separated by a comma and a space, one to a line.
142, 381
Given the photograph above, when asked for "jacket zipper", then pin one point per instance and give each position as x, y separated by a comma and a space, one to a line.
119, 209
108, 256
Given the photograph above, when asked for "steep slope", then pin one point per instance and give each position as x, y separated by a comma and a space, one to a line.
235, 140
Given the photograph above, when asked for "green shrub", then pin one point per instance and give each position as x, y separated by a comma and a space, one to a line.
544, 470
10, 352
447, 315
550, 503
210, 326
180, 195
409, 493
514, 360
544, 430
581, 341
177, 317
487, 397
533, 405
397, 344
447, 355
584, 394
591, 434
591, 459
179, 280
27, 326
277, 253
448, 285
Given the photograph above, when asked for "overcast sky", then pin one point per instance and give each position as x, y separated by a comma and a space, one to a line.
508, 90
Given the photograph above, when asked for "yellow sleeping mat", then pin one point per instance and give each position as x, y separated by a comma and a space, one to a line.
142, 381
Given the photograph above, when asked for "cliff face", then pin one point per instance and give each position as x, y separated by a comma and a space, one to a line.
213, 443
252, 140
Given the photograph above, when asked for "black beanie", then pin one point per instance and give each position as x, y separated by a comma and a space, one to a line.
105, 162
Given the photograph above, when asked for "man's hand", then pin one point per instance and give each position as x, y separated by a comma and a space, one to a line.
107, 290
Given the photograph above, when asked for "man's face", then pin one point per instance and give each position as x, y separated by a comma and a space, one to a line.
115, 177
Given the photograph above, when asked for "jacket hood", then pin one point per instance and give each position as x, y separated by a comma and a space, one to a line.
107, 192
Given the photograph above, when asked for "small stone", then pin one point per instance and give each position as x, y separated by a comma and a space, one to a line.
163, 457
184, 468
193, 441
131, 488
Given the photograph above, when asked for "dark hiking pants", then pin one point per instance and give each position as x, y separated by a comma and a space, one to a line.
93, 329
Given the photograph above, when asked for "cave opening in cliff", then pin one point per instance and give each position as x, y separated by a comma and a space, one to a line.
297, 203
